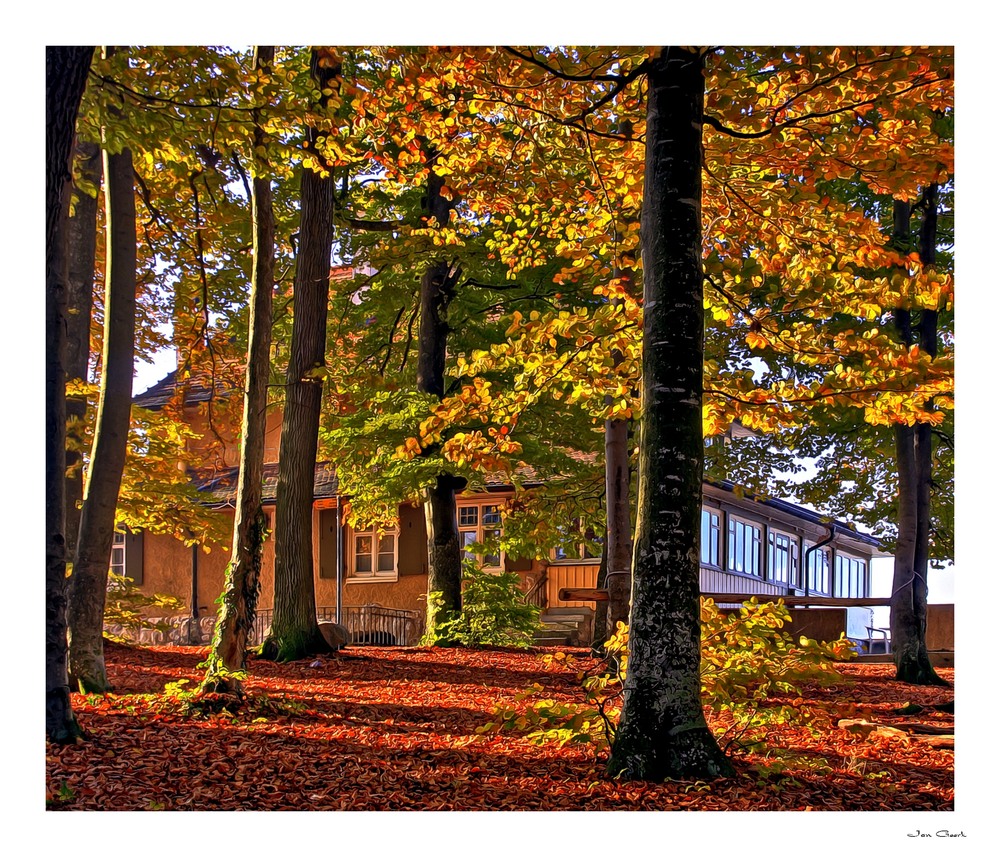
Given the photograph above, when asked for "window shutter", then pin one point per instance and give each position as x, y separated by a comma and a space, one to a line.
133, 557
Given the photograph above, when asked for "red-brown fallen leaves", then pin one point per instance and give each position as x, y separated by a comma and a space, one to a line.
394, 729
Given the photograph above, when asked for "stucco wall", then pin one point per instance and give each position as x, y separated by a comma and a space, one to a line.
940, 627
166, 567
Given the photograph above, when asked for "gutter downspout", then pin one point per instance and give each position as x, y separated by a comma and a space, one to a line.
817, 546
194, 597
340, 567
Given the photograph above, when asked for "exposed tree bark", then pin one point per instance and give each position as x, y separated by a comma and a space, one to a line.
601, 607
444, 555
242, 586
914, 455
66, 71
82, 255
619, 538
444, 550
89, 581
662, 732
294, 631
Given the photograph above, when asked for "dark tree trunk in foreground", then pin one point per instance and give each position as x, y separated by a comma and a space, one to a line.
908, 610
242, 586
82, 255
618, 547
444, 550
294, 631
88, 583
662, 733
66, 71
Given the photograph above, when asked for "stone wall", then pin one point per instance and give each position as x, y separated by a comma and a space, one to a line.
173, 631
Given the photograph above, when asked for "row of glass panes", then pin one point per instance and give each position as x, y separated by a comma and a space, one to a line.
744, 541
375, 555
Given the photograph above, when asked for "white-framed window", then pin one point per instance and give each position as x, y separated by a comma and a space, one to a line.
479, 524
118, 554
782, 558
372, 555
850, 576
583, 551
818, 571
710, 531
745, 540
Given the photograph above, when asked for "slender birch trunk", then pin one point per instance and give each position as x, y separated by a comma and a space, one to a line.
89, 581
227, 658
82, 255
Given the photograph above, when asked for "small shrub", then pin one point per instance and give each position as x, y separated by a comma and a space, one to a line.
746, 661
494, 612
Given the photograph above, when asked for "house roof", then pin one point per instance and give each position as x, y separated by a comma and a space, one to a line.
163, 391
220, 485
796, 511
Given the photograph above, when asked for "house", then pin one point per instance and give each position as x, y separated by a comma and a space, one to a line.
376, 582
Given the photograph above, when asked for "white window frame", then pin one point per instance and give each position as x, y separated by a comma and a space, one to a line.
478, 529
373, 576
824, 571
850, 561
118, 555
737, 549
712, 527
792, 578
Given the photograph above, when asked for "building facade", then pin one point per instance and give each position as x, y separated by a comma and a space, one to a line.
749, 546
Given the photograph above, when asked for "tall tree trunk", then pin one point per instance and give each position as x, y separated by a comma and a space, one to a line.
239, 597
444, 549
89, 582
294, 631
662, 733
82, 255
66, 71
617, 488
601, 635
908, 608
618, 548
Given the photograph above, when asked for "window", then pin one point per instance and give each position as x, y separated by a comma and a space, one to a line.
373, 555
819, 571
479, 524
744, 547
850, 577
582, 551
783, 558
709, 537
118, 555
126, 556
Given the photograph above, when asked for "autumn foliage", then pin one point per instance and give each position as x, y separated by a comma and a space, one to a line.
396, 729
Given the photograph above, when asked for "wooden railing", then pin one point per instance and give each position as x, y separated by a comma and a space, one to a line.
536, 595
740, 597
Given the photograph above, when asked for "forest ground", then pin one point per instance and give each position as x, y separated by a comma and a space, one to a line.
386, 728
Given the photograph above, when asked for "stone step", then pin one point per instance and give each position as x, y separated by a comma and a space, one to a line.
552, 638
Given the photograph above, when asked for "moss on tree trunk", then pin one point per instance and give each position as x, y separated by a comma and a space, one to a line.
227, 658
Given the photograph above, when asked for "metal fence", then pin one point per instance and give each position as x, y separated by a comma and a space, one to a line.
368, 625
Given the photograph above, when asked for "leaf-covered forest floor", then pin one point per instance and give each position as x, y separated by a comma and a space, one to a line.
382, 728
